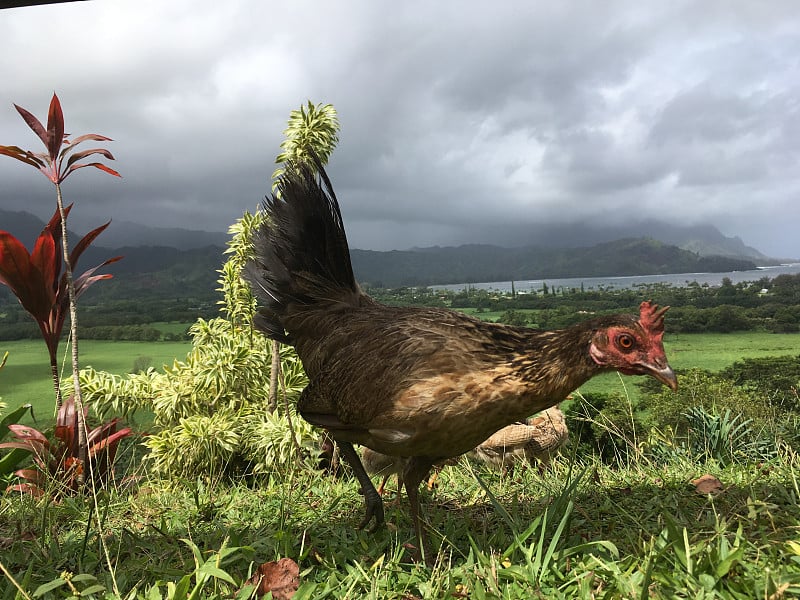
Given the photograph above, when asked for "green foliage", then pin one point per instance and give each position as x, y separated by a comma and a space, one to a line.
776, 378
711, 392
211, 411
10, 460
513, 317
724, 437
59, 467
312, 128
606, 425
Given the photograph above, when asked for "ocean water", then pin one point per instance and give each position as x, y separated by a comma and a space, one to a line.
589, 283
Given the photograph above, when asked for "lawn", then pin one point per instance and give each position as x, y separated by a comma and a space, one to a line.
711, 351
26, 376
578, 531
583, 529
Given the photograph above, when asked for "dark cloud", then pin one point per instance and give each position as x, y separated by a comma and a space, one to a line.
460, 122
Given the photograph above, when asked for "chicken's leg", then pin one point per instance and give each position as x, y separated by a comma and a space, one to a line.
416, 470
372, 499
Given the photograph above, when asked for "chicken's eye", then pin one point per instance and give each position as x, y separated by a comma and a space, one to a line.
626, 341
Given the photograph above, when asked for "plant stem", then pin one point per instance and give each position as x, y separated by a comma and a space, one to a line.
275, 371
56, 383
73, 328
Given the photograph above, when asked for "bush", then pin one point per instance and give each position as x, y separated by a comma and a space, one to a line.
711, 392
604, 424
211, 410
774, 377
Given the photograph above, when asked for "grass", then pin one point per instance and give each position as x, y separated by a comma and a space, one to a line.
710, 351
25, 379
583, 530
26, 376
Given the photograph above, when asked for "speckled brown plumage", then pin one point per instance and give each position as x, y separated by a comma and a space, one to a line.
420, 383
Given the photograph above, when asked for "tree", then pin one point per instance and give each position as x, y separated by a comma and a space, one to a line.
312, 132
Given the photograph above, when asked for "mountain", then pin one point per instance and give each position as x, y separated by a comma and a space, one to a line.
705, 240
26, 227
179, 263
134, 234
480, 263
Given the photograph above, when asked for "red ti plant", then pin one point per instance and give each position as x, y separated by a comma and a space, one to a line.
59, 462
36, 279
59, 161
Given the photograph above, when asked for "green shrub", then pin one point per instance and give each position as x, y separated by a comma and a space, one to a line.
606, 425
773, 377
711, 392
211, 411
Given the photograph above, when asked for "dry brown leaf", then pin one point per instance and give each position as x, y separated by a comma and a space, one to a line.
707, 484
281, 578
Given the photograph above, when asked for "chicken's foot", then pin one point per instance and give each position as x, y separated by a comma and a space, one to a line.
372, 500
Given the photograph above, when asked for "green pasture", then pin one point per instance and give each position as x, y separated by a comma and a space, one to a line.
710, 351
26, 377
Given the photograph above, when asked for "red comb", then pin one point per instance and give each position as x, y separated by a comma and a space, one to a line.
651, 317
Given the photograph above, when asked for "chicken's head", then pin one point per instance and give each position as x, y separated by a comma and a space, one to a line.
635, 348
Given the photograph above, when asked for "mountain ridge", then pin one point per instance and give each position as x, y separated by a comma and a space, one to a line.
192, 270
705, 240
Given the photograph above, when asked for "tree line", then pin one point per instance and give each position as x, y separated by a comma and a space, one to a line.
769, 304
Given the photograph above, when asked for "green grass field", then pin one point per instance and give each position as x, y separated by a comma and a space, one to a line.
26, 377
711, 351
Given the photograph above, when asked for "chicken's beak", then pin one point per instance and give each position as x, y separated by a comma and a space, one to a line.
665, 375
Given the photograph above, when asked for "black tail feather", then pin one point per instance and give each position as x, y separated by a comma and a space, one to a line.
301, 255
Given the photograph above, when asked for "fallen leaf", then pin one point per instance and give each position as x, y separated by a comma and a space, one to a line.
707, 484
279, 577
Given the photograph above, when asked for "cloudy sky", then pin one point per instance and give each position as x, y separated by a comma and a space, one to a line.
461, 121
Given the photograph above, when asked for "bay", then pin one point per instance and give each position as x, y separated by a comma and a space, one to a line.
625, 282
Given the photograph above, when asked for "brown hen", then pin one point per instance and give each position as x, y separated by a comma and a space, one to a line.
421, 383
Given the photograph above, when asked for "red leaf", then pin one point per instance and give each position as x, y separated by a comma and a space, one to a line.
22, 156
102, 430
67, 426
23, 432
84, 153
97, 165
25, 280
28, 446
34, 124
45, 259
26, 488
55, 128
15, 263
84, 243
32, 475
109, 442
89, 136
87, 278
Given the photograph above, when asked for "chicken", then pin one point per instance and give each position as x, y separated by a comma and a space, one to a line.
538, 439
421, 383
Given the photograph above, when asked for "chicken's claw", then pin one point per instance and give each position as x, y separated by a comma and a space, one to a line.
374, 510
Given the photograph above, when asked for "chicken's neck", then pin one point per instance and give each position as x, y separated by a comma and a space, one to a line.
554, 363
